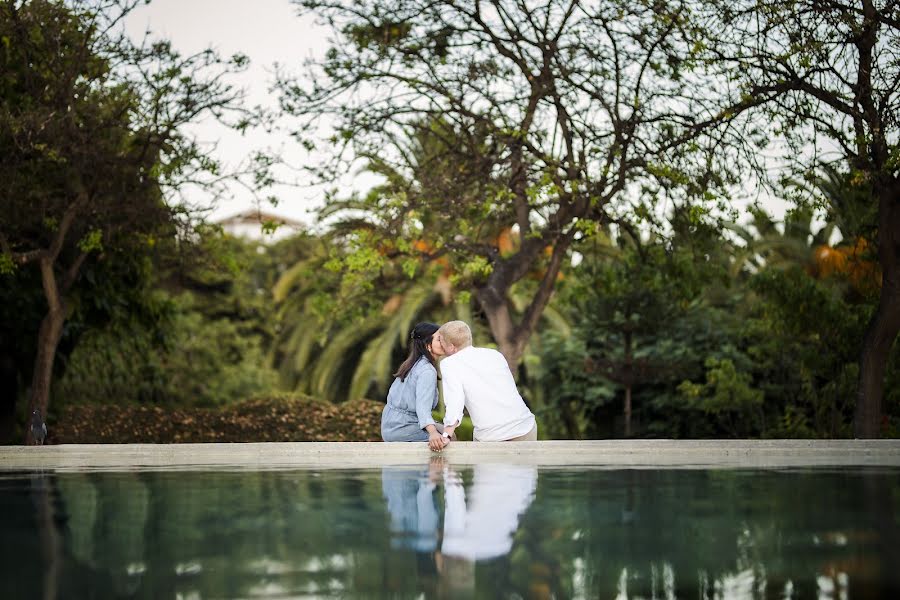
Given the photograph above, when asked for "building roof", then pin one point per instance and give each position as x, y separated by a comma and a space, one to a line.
253, 216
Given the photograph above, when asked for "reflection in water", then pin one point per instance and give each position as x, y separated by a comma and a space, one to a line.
483, 527
50, 543
477, 525
413, 507
488, 531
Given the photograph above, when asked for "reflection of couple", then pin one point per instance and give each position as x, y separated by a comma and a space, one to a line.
477, 379
477, 526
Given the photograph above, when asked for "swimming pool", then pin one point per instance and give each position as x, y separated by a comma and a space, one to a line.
432, 528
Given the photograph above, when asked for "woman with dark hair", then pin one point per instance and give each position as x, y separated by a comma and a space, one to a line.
414, 393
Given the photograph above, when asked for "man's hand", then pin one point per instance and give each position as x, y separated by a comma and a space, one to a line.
448, 432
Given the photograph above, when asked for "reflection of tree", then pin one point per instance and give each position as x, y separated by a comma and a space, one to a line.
223, 534
723, 530
881, 505
80, 498
106, 522
585, 533
51, 544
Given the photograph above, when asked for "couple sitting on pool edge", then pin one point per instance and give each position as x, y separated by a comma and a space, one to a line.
477, 379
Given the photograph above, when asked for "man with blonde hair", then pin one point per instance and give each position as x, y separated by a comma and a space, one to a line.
479, 380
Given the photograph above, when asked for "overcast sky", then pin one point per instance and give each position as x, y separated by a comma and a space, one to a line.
269, 32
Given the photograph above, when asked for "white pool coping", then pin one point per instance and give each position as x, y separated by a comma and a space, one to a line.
611, 454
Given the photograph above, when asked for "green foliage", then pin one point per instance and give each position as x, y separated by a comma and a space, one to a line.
96, 148
202, 361
7, 266
635, 310
205, 345
573, 395
766, 349
330, 352
726, 396
804, 343
91, 242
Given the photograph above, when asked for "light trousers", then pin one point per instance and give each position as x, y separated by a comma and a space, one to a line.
531, 436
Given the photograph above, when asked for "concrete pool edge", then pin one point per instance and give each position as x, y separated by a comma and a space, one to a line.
601, 453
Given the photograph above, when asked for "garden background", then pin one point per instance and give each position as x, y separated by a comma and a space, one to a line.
576, 182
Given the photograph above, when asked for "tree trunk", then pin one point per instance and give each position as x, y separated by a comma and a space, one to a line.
885, 323
48, 340
502, 327
627, 410
511, 337
629, 379
570, 420
876, 349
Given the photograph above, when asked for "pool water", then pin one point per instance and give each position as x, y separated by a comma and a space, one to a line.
441, 531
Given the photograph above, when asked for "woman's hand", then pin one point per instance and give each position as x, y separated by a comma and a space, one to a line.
436, 441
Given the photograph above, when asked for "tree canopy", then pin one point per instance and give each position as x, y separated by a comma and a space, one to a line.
547, 121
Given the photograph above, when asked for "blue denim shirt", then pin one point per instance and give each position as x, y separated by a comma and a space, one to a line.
409, 405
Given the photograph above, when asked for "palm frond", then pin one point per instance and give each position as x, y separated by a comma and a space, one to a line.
375, 361
337, 353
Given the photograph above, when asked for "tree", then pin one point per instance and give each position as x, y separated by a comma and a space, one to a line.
344, 295
641, 310
204, 346
554, 114
92, 127
827, 75
626, 302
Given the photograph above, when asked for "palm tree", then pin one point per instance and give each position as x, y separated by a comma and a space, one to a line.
353, 358
765, 245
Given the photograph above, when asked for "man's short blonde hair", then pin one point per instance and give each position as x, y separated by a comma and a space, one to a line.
457, 333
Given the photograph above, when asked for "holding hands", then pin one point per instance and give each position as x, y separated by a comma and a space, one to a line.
437, 440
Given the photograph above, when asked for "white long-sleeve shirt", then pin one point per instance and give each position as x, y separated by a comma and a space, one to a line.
479, 379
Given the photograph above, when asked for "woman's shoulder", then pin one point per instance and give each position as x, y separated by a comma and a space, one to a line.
423, 365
